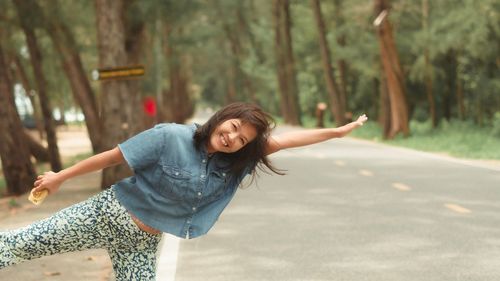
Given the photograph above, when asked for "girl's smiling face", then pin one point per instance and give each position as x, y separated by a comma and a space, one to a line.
230, 136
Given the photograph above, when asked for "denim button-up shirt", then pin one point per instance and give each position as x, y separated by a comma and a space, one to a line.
176, 188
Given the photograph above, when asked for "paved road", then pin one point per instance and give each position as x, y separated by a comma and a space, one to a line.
353, 210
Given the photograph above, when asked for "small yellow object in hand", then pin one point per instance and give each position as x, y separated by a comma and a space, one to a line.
38, 197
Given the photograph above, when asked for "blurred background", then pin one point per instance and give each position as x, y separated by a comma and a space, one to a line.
425, 72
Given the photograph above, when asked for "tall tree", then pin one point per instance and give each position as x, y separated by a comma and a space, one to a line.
392, 72
177, 101
169, 59
23, 78
18, 170
285, 62
19, 75
458, 84
118, 102
236, 28
65, 43
427, 64
25, 18
342, 63
337, 105
135, 32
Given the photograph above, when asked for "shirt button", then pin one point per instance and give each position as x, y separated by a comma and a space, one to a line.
199, 194
176, 173
223, 174
202, 176
203, 161
194, 208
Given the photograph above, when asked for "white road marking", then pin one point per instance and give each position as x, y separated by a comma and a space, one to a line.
401, 186
320, 155
340, 163
366, 173
167, 258
457, 208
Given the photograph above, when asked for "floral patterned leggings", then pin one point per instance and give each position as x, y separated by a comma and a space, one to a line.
99, 222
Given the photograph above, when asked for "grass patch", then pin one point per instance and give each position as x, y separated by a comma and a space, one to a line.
456, 138
3, 186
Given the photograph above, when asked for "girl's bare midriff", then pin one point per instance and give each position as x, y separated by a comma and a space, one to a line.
143, 226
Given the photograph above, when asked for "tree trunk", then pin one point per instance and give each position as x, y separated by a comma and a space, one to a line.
116, 99
38, 151
243, 28
393, 73
285, 63
238, 79
428, 66
178, 104
254, 18
460, 96
83, 94
18, 170
338, 110
21, 73
456, 83
342, 64
231, 95
293, 100
160, 65
23, 8
233, 70
384, 104
64, 42
135, 30
283, 87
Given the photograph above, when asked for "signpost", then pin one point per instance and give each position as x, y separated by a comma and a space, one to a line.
116, 73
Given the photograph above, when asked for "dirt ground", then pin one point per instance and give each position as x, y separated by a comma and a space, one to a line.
18, 212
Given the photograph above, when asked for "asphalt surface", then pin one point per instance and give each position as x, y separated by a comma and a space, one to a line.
354, 210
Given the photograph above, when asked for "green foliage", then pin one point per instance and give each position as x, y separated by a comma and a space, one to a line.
13, 203
496, 125
461, 40
371, 130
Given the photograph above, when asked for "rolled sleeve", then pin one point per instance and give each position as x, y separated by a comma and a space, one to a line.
144, 149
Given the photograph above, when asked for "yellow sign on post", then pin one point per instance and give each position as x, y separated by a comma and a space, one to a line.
114, 73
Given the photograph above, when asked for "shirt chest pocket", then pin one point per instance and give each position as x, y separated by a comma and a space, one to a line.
174, 182
217, 185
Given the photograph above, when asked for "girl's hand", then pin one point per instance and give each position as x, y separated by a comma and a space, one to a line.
361, 120
49, 180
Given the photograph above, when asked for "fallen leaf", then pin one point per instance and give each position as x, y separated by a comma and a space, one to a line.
53, 273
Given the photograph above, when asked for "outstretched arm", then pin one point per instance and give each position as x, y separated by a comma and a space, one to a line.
310, 136
51, 181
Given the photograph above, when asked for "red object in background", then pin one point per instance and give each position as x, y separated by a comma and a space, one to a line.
149, 104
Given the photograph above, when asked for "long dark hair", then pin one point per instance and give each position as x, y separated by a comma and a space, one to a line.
254, 151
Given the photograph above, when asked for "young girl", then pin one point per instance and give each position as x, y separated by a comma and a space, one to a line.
184, 177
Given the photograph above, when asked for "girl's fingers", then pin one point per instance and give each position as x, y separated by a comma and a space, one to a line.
37, 183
